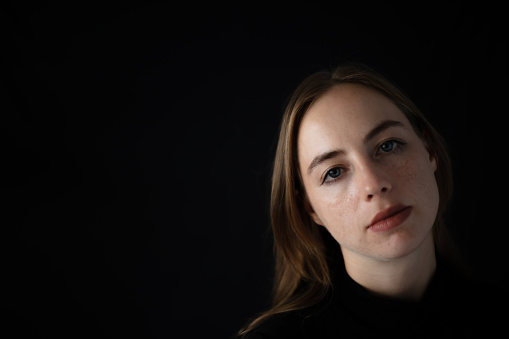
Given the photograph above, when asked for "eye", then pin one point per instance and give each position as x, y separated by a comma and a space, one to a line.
391, 147
332, 174
388, 146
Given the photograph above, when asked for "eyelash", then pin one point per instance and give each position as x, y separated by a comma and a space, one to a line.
398, 147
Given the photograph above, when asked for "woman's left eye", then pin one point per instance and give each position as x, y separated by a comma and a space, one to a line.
389, 145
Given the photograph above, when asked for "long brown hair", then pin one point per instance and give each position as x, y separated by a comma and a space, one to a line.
302, 270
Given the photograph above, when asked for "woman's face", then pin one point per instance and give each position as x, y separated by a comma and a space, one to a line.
368, 177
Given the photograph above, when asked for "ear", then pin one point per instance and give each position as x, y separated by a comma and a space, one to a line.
311, 211
432, 157
433, 160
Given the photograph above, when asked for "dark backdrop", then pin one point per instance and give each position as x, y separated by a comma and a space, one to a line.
138, 141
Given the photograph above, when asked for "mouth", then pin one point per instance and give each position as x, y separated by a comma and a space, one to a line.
390, 218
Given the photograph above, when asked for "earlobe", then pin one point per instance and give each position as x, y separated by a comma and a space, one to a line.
433, 162
311, 212
316, 219
432, 158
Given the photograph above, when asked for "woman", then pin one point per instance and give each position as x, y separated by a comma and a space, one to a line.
360, 183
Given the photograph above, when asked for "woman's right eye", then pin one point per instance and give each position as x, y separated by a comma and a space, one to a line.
332, 174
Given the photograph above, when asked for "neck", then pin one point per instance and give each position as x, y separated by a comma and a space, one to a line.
404, 278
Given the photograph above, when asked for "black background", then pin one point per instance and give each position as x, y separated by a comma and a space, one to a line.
138, 141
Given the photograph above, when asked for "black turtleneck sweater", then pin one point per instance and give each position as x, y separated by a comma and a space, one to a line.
452, 307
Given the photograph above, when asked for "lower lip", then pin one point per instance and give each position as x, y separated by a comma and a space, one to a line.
391, 222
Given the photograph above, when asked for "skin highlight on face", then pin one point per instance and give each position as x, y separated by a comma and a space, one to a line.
360, 159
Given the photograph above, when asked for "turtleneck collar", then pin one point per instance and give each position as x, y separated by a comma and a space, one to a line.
385, 314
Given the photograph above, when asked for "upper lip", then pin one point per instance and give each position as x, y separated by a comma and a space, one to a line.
390, 211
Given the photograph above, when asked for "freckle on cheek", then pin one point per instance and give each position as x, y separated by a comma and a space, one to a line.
411, 173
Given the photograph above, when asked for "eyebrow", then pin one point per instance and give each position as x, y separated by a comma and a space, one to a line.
382, 126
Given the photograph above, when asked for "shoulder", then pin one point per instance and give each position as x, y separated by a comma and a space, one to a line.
285, 325
472, 290
487, 298
475, 303
300, 324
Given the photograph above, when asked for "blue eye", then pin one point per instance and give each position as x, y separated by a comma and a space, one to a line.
388, 146
333, 173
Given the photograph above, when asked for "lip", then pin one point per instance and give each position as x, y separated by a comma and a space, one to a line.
390, 218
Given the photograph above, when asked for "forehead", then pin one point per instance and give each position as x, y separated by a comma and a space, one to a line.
345, 114
352, 103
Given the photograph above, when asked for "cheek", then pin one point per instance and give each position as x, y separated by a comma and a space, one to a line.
337, 210
410, 175
341, 210
417, 179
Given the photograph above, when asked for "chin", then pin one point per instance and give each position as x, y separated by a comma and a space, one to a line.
401, 244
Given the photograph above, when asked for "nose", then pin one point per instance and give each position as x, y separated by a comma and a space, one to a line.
374, 181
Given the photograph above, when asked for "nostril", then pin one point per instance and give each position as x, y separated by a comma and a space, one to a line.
372, 191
